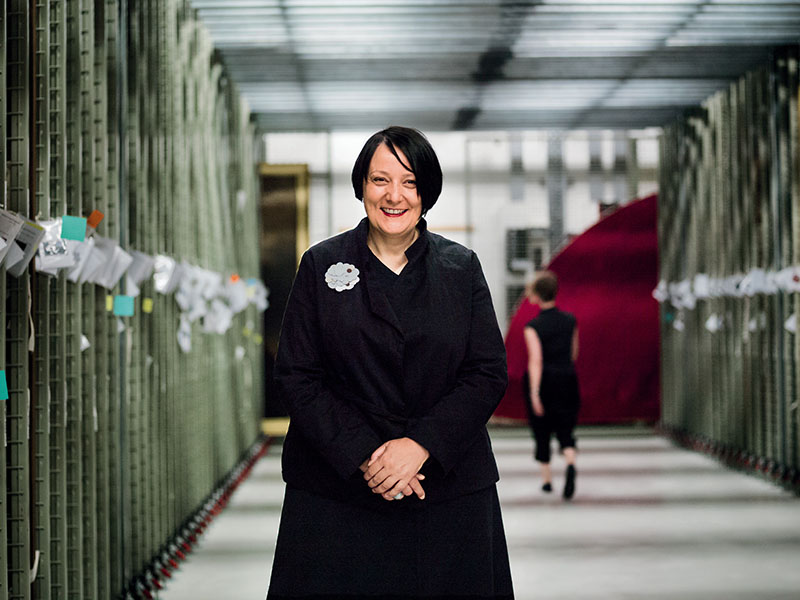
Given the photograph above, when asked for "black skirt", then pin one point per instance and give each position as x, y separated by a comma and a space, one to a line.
331, 549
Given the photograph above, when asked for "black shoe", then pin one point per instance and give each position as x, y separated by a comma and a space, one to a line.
569, 486
547, 487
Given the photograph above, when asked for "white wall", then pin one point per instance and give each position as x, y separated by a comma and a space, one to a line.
475, 207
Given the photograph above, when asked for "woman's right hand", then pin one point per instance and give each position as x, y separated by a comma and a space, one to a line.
414, 486
538, 407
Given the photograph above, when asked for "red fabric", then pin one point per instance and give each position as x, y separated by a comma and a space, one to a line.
606, 279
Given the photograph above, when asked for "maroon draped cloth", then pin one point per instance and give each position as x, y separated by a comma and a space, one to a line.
606, 279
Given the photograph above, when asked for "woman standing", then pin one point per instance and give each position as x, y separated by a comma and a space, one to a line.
551, 385
390, 364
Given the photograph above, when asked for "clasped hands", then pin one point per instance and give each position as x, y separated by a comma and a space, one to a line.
394, 469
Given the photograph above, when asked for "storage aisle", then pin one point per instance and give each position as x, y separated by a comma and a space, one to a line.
234, 555
649, 520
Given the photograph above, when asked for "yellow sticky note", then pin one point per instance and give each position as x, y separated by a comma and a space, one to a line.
147, 305
246, 332
109, 303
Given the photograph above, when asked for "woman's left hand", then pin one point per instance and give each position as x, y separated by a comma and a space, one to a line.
394, 466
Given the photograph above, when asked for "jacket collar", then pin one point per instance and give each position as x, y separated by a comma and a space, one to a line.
377, 301
415, 251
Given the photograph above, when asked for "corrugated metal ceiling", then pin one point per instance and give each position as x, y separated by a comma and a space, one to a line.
364, 64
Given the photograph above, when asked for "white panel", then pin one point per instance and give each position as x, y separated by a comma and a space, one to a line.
347, 210
450, 149
345, 147
449, 214
534, 152
489, 201
576, 152
607, 155
580, 212
646, 188
493, 154
647, 152
610, 193
298, 148
536, 205
318, 209
524, 215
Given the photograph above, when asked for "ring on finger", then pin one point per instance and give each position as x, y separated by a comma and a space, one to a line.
398, 496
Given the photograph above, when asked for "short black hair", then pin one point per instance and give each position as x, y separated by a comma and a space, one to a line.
421, 157
545, 285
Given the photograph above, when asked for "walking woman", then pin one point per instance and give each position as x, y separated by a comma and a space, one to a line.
550, 384
390, 363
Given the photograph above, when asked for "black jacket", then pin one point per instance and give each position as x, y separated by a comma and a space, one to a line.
351, 378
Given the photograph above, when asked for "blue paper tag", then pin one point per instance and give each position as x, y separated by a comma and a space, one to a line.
3, 386
73, 228
123, 306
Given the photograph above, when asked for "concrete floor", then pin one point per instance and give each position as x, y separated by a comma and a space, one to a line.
649, 520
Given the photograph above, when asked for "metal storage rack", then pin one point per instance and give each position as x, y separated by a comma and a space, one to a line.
18, 468
56, 553
110, 451
40, 390
3, 404
729, 199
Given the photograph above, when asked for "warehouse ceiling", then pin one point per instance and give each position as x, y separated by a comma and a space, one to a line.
316, 65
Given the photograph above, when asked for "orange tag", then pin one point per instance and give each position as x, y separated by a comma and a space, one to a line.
234, 278
94, 219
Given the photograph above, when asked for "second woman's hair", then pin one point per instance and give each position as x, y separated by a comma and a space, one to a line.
422, 162
545, 285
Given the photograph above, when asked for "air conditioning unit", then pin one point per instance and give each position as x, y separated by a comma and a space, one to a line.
527, 250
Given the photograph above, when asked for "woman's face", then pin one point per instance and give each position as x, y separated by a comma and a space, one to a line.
391, 199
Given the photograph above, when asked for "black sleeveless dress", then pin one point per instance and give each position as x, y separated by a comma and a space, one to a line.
558, 389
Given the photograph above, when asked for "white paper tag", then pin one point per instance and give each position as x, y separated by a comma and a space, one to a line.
27, 240
713, 323
790, 324
10, 224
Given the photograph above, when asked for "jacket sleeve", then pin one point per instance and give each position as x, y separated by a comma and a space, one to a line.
455, 421
337, 429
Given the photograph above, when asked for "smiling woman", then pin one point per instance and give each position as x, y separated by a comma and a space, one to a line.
397, 190
393, 206
390, 363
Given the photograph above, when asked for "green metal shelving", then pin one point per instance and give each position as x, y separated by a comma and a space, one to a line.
41, 401
4, 592
74, 382
89, 326
730, 203
55, 556
18, 467
108, 450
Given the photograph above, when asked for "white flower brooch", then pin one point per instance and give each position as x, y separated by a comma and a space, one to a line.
341, 276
